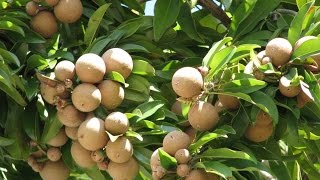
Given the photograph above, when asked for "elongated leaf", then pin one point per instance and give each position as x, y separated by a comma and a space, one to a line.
244, 85
143, 155
214, 49
216, 168
5, 141
142, 68
226, 153
134, 5
308, 48
94, 173
135, 96
166, 160
148, 109
115, 76
9, 57
31, 121
10, 26
51, 128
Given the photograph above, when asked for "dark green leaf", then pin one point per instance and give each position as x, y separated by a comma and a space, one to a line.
216, 168
246, 86
10, 26
5, 141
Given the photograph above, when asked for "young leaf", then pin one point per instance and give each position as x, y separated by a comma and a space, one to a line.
115, 76
142, 68
214, 49
148, 109
307, 49
166, 160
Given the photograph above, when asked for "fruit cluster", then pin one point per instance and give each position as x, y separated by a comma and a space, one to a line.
44, 21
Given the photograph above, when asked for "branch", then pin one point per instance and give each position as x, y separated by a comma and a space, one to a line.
216, 11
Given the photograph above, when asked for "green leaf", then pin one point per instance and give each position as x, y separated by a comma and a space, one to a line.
308, 48
246, 86
165, 14
147, 109
137, 85
143, 155
216, 168
246, 165
36, 61
5, 141
135, 96
94, 173
31, 121
115, 76
9, 57
213, 50
166, 160
134, 5
51, 127
279, 169
143, 68
10, 26
226, 153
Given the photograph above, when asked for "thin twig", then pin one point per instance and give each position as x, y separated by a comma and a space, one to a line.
216, 11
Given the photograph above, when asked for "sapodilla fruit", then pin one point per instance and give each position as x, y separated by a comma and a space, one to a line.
32, 8
90, 68
68, 11
174, 141
97, 156
45, 24
116, 123
49, 93
279, 50
263, 119
212, 176
203, 116
70, 116
112, 94
72, 132
118, 60
55, 171
37, 167
183, 170
120, 150
187, 82
229, 102
286, 89
51, 3
197, 174
86, 97
54, 154
59, 140
303, 99
182, 156
92, 135
259, 133
64, 70
124, 171
155, 159
192, 133
81, 156
176, 108
315, 57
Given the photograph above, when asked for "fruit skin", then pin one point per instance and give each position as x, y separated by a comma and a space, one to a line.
183, 170
72, 132
187, 82
155, 159
118, 60
116, 123
259, 133
54, 154
197, 174
81, 156
203, 116
315, 57
86, 97
32, 8
52, 3
70, 116
59, 140
124, 171
286, 89
120, 150
112, 94
45, 24
229, 102
64, 70
279, 50
49, 93
97, 156
64, 8
92, 135
263, 119
212, 176
90, 68
303, 99
55, 171
192, 133
174, 141
182, 156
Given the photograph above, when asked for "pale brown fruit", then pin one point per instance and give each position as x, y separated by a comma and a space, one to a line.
286, 89
86, 97
203, 70
303, 99
38, 154
263, 119
192, 133
229, 102
32, 8
176, 108
68, 11
279, 50
160, 171
212, 176
124, 171
174, 141
261, 55
187, 82
49, 93
90, 68
37, 167
203, 116
116, 123
92, 135
112, 94
118, 60
54, 154
315, 57
183, 170
81, 156
64, 70
59, 140
155, 176
70, 116
51, 3
197, 174
219, 106
45, 24
55, 171
182, 156
266, 60
72, 132
259, 133
97, 156
155, 159
31, 161
103, 166
120, 150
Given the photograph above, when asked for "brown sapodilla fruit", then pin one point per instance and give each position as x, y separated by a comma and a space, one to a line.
212, 176
86, 97
112, 94
279, 50
70, 116
92, 135
55, 171
192, 133
187, 82
51, 3
97, 156
183, 170
176, 108
116, 123
197, 174
54, 154
229, 102
303, 99
59, 140
124, 171
90, 68
49, 94
286, 89
182, 156
45, 24
120, 150
71, 132
81, 156
263, 119
203, 116
259, 133
64, 70
174, 141
118, 60
32, 8
68, 11
155, 159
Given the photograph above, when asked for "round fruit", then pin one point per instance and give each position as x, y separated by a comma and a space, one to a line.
103, 166
90, 68
229, 102
279, 50
54, 171
192, 133
197, 174
31, 161
176, 108
37, 167
124, 171
259, 133
64, 70
68, 11
286, 89
155, 176
155, 159
51, 3
49, 94
72, 132
92, 135
97, 156
187, 82
263, 119
54, 154
70, 116
160, 171
45, 24
86, 97
112, 94
81, 156
118, 60
174, 141
266, 60
59, 140
219, 107
303, 99
212, 176
183, 170
261, 55
203, 116
182, 156
32, 8
120, 150
116, 123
